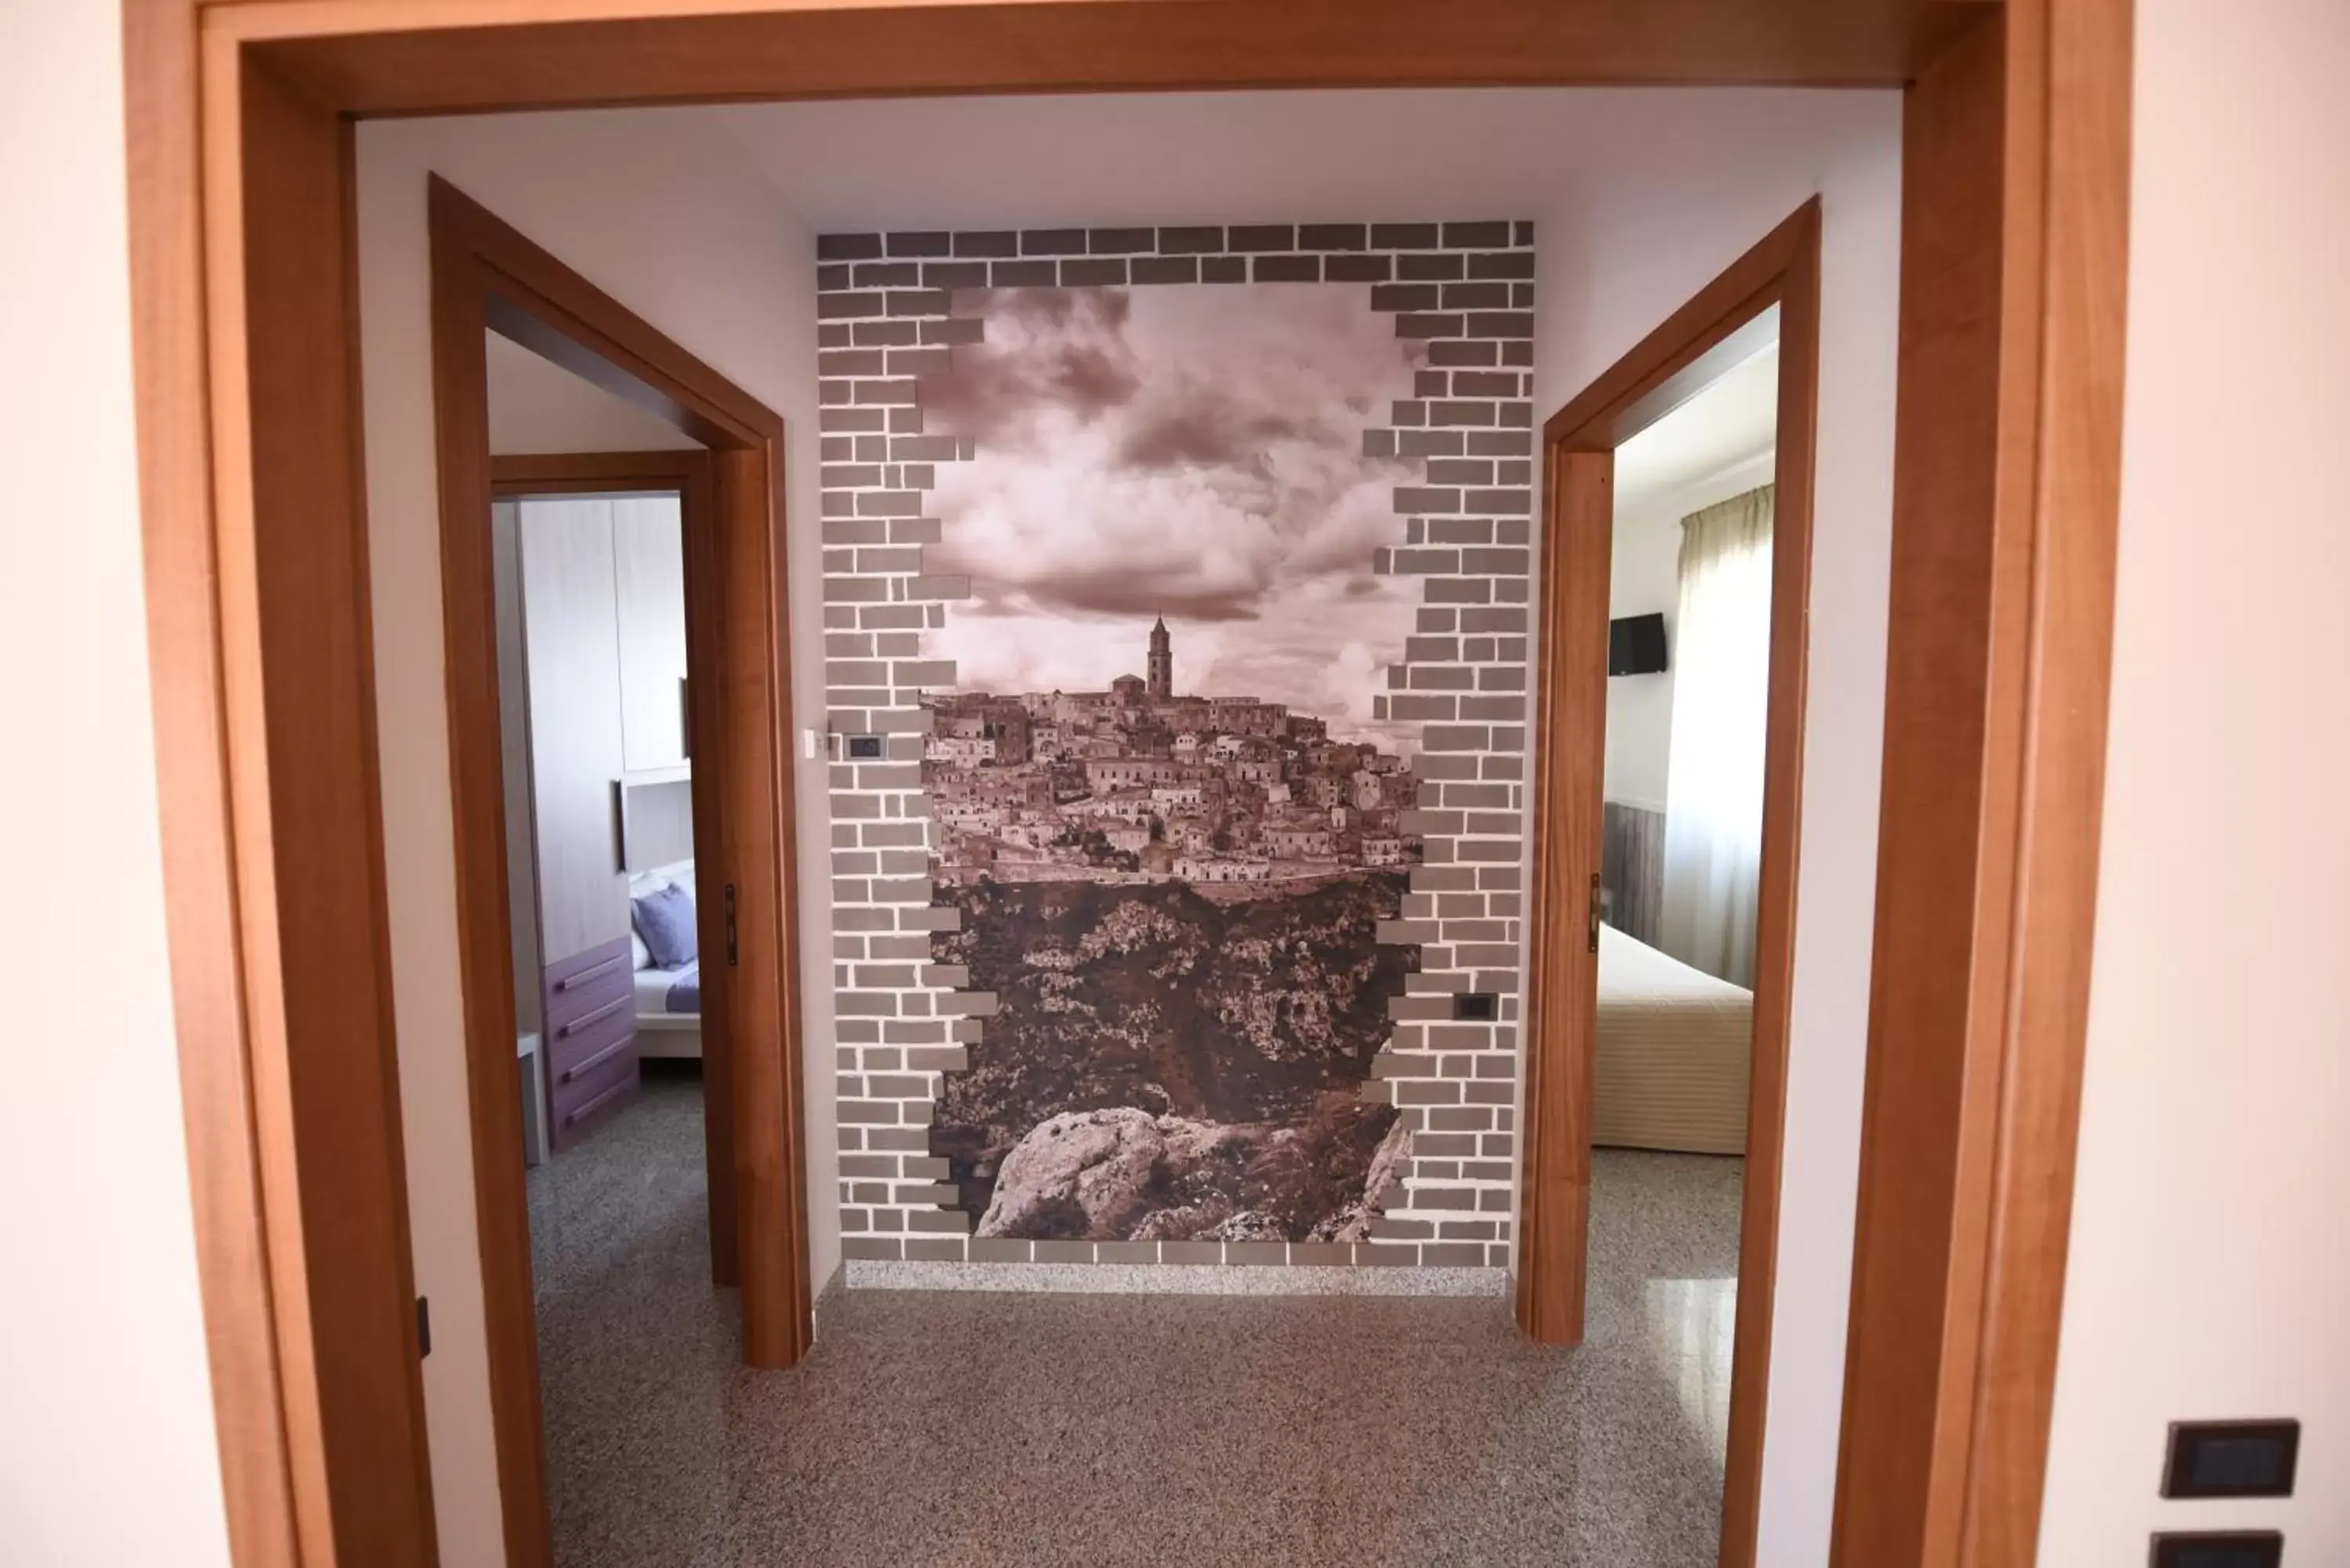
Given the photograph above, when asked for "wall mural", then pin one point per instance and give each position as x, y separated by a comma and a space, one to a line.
1154, 664
1172, 843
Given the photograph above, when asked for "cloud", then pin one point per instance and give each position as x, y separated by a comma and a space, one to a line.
1192, 451
1049, 351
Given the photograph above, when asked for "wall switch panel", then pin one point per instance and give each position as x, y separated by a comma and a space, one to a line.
2239, 1549
2232, 1458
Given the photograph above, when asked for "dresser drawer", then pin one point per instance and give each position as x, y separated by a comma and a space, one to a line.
592, 1089
585, 983
588, 1038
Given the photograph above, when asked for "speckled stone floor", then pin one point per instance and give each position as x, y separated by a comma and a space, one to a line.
1040, 1430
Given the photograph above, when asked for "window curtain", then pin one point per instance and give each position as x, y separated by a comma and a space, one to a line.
1713, 780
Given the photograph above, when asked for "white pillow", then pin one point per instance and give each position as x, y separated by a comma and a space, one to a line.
637, 949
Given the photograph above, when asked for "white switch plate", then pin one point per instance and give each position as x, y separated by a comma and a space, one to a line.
807, 744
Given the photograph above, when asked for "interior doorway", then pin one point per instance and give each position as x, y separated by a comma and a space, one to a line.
627, 1135
621, 520
728, 720
1662, 952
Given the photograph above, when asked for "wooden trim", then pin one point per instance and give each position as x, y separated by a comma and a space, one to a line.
1718, 328
687, 472
2005, 499
313, 1053
1571, 682
599, 472
229, 1185
487, 276
401, 56
1793, 474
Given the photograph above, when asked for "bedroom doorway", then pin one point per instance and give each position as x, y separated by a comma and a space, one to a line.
626, 1121
1671, 709
597, 712
692, 513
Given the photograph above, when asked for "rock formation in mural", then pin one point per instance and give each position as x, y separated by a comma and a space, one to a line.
1171, 879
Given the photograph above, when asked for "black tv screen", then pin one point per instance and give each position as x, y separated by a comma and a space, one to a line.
1636, 644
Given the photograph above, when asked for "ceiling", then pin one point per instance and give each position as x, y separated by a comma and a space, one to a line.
1241, 157
1733, 420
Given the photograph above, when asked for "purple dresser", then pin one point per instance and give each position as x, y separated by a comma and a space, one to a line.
591, 1039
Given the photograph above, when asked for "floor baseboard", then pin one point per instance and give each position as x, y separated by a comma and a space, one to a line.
1174, 1278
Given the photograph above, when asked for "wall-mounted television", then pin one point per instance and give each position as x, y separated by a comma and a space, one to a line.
1636, 644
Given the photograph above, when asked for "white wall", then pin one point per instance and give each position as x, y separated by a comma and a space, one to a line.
1637, 237
2209, 1273
106, 1449
1644, 577
665, 216
538, 406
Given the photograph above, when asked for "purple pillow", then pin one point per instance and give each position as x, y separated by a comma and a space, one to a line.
665, 920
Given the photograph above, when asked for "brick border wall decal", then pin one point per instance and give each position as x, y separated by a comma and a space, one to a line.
1465, 292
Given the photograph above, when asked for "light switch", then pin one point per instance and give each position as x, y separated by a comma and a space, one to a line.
2232, 1458
2238, 1549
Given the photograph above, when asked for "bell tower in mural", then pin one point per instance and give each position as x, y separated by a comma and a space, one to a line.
1159, 672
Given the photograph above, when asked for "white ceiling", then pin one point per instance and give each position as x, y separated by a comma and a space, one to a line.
1731, 421
1279, 156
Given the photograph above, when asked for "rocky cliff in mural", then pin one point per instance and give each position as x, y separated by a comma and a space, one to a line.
1169, 1062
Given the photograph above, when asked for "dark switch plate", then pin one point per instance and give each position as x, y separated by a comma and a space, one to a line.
865, 748
1476, 1006
2243, 1549
2232, 1458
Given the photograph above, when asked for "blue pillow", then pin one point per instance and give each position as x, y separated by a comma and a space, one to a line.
665, 920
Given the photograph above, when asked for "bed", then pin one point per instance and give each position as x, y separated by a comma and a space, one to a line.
668, 1001
1673, 1053
663, 1027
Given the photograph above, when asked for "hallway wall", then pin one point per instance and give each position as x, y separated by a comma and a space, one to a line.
662, 213
2208, 1275
1639, 234
1310, 447
109, 1453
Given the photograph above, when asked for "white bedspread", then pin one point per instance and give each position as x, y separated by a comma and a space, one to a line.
659, 1032
653, 1000
1675, 1046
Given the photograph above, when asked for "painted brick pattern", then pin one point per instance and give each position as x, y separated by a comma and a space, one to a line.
1463, 293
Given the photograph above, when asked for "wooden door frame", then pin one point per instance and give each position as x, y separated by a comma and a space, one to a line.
488, 278
1695, 346
2007, 477
238, 122
514, 476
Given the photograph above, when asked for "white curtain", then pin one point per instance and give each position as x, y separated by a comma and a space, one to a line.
1713, 782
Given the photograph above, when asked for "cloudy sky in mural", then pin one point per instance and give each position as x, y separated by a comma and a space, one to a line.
1192, 452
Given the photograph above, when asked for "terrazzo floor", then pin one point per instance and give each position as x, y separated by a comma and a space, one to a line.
977, 1430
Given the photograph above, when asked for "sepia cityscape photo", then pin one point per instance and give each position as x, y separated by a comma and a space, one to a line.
1167, 802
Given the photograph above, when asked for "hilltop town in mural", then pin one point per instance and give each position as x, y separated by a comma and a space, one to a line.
1137, 783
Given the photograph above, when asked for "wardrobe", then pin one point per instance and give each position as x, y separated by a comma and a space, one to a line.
593, 706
